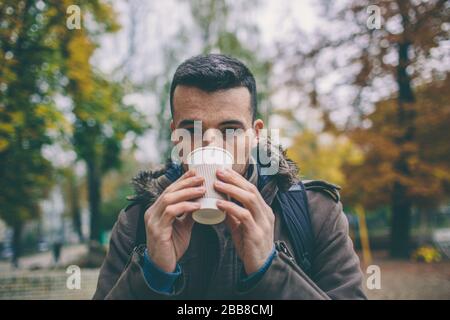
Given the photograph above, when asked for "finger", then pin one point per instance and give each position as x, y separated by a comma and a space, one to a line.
234, 178
248, 199
185, 221
232, 223
188, 181
177, 209
187, 174
242, 215
188, 221
182, 195
188, 193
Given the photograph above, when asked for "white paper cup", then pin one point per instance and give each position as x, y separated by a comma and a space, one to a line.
205, 161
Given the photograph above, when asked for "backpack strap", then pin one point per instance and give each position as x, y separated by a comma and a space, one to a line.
295, 214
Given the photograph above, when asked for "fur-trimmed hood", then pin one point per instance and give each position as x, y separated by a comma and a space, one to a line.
148, 184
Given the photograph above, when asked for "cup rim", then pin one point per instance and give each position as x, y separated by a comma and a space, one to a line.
190, 154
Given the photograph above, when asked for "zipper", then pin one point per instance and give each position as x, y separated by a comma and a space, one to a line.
281, 246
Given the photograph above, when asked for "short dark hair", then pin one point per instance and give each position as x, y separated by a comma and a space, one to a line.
213, 72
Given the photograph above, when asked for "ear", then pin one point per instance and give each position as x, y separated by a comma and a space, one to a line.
172, 128
258, 125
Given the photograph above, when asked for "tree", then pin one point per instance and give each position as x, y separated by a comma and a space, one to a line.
102, 119
102, 124
372, 182
323, 156
41, 58
71, 191
373, 64
29, 119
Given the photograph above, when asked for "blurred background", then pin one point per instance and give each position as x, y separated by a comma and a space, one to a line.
360, 91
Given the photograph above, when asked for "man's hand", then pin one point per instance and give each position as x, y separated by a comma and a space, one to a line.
168, 234
252, 226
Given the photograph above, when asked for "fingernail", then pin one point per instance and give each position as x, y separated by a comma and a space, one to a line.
219, 183
219, 202
220, 172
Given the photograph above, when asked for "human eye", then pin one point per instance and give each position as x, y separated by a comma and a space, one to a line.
232, 130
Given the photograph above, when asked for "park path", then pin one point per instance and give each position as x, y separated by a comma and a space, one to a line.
44, 260
410, 280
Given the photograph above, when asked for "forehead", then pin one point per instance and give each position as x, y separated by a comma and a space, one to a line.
211, 107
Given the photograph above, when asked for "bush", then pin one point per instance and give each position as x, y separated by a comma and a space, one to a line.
427, 254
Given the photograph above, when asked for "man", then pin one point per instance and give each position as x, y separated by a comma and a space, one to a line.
158, 252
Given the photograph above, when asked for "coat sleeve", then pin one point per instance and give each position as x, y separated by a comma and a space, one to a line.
121, 274
336, 272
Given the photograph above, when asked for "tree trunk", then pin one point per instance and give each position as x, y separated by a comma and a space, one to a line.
401, 204
76, 219
17, 243
75, 203
423, 235
401, 223
94, 185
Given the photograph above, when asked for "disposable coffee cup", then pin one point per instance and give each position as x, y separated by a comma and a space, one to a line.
206, 161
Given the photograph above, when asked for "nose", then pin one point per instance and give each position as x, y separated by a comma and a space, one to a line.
212, 138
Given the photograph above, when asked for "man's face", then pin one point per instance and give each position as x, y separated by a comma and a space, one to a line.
226, 121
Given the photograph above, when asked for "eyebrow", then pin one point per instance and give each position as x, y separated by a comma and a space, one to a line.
187, 122
232, 122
